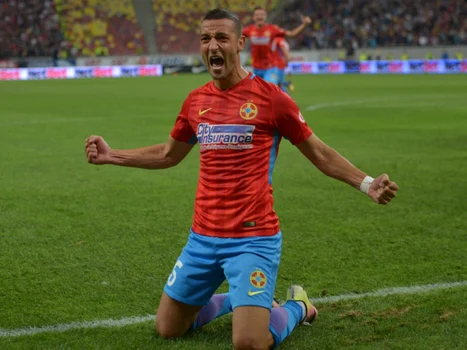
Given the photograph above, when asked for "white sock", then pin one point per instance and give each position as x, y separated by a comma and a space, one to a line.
303, 306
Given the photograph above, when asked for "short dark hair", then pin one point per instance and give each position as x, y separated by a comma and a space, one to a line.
258, 8
224, 14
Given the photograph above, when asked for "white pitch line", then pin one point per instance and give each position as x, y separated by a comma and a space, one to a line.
389, 291
59, 328
345, 103
348, 103
112, 323
396, 102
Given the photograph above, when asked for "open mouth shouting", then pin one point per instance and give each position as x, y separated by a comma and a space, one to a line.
216, 62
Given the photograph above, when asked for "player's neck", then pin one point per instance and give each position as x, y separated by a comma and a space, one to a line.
236, 76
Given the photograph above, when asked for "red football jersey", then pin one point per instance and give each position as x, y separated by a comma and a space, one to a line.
238, 131
260, 40
278, 46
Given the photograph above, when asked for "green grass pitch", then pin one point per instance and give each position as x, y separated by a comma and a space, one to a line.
87, 243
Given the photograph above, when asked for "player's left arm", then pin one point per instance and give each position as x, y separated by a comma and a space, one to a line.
381, 190
294, 32
291, 124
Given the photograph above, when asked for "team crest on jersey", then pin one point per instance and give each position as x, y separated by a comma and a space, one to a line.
248, 111
225, 136
267, 33
258, 279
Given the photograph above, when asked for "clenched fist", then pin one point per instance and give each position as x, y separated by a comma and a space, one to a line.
97, 150
382, 190
306, 20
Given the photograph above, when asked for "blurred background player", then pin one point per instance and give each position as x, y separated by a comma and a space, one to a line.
261, 35
281, 56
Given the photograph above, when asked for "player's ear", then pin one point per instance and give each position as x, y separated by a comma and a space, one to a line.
241, 43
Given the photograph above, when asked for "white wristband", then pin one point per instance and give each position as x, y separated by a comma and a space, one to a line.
366, 183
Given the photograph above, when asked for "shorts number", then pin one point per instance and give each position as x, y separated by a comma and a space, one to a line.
173, 275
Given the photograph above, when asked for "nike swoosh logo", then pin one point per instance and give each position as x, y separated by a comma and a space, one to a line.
250, 293
202, 112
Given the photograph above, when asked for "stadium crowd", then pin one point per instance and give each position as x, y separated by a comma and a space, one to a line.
177, 22
29, 28
379, 23
101, 27
92, 27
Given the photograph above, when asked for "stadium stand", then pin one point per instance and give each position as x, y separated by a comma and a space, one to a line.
382, 23
110, 27
178, 21
28, 28
101, 27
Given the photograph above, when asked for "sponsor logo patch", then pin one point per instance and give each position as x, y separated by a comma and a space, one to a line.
225, 136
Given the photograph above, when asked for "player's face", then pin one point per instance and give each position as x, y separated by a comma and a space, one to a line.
220, 47
259, 17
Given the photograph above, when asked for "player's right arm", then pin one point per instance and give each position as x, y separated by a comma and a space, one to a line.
161, 156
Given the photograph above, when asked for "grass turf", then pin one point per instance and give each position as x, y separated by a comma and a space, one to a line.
82, 243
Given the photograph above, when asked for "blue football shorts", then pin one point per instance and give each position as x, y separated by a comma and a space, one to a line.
280, 76
270, 75
248, 264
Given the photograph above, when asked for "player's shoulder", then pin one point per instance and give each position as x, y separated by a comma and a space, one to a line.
275, 27
248, 27
206, 88
275, 94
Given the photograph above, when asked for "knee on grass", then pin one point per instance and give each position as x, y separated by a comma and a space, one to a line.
252, 342
167, 331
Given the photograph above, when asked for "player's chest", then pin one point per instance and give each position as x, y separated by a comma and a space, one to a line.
252, 109
262, 37
231, 119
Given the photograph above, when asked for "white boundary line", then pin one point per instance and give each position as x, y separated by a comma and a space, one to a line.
389, 291
112, 323
63, 327
395, 102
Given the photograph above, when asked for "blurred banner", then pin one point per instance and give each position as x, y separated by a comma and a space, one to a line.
80, 72
169, 60
337, 67
380, 67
